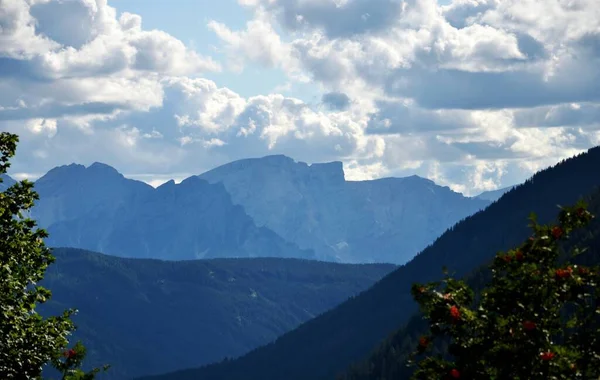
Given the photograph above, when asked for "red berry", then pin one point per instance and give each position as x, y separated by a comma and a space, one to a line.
557, 232
454, 312
519, 256
529, 325
546, 356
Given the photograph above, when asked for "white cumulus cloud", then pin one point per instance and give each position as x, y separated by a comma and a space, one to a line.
476, 94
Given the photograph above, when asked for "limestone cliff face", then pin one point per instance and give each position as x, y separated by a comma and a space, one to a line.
386, 220
97, 208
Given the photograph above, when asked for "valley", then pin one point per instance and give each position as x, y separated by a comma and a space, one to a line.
147, 316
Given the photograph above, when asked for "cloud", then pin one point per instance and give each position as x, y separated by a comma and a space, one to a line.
465, 90
449, 57
258, 43
461, 13
18, 37
341, 18
197, 126
68, 23
157, 51
475, 95
336, 100
56, 111
404, 116
78, 56
259, 125
573, 114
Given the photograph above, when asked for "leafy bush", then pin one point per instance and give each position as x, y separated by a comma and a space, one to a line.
537, 319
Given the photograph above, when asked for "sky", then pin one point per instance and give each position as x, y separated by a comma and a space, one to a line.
473, 94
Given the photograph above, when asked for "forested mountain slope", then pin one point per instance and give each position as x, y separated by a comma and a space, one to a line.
149, 316
327, 345
388, 361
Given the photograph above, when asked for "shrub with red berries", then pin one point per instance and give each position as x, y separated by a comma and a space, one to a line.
538, 318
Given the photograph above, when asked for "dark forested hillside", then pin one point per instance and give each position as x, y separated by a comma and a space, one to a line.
148, 316
327, 345
388, 361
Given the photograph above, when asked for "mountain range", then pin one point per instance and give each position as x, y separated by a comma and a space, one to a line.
6, 182
313, 206
147, 316
327, 345
266, 207
98, 209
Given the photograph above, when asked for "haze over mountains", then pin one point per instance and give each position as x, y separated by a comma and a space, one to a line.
96, 208
494, 195
385, 220
266, 207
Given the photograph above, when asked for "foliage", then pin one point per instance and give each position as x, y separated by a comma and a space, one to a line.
537, 319
28, 341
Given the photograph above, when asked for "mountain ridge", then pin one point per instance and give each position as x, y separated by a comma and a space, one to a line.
97, 208
277, 207
494, 195
7, 181
314, 207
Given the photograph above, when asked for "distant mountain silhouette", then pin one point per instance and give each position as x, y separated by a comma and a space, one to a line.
7, 182
267, 207
494, 195
96, 208
313, 206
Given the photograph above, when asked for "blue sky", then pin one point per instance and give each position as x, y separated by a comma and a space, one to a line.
186, 20
475, 95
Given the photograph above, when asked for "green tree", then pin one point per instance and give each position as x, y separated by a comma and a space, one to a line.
538, 318
28, 341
